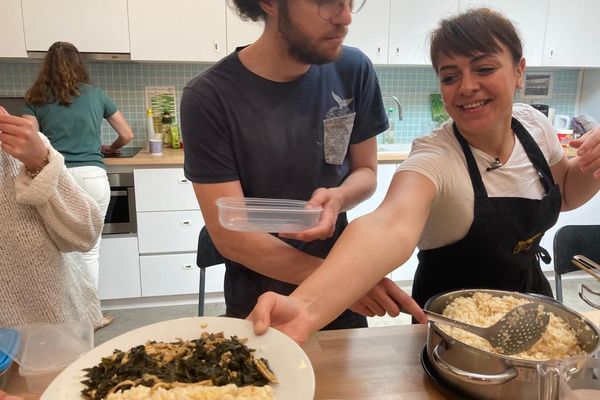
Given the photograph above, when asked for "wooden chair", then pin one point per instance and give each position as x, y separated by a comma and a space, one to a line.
572, 240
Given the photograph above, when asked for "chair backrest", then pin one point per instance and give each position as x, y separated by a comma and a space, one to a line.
571, 240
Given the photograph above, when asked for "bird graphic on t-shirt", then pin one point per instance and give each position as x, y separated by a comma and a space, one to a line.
342, 107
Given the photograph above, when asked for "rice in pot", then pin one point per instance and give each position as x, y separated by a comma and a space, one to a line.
482, 309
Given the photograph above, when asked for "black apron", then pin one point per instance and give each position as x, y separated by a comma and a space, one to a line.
502, 248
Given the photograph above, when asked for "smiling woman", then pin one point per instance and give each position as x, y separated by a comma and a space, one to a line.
475, 196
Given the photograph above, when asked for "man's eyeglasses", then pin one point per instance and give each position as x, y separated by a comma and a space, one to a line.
329, 9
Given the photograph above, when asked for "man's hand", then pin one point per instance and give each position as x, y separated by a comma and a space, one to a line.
588, 150
21, 140
284, 313
326, 227
387, 297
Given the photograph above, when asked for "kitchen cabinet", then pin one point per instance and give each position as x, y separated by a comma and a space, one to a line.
410, 25
169, 222
572, 32
12, 44
241, 33
177, 30
96, 26
119, 276
369, 30
529, 17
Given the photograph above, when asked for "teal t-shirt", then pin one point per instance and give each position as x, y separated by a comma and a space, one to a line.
74, 131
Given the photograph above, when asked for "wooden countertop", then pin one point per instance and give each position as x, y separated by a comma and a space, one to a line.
380, 363
174, 157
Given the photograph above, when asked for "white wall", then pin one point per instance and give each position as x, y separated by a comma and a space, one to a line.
590, 93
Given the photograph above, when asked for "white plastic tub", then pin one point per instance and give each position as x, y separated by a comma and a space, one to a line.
246, 214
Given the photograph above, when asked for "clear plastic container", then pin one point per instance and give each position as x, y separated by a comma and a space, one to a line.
246, 214
44, 350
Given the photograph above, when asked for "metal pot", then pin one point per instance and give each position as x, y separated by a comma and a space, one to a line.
485, 375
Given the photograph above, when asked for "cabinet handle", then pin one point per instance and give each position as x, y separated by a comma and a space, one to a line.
185, 223
397, 50
379, 50
216, 47
183, 180
187, 266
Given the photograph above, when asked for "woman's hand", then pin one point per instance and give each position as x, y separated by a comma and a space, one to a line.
588, 150
6, 396
21, 140
286, 314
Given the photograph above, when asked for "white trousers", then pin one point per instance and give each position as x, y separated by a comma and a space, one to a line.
95, 182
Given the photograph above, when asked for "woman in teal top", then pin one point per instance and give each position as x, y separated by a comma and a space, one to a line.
69, 110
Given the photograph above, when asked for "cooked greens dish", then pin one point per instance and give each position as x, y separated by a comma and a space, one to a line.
211, 360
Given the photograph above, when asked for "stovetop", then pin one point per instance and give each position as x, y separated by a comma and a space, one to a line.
126, 152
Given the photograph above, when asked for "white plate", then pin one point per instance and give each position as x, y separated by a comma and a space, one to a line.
287, 360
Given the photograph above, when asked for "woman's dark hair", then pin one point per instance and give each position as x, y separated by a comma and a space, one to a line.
249, 9
474, 31
60, 75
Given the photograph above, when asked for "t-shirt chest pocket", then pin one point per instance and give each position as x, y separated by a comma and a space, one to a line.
336, 133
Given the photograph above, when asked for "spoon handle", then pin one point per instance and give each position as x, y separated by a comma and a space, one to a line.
435, 317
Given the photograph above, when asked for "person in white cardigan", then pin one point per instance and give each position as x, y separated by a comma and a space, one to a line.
43, 213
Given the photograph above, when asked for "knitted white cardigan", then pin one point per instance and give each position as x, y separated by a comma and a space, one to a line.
39, 218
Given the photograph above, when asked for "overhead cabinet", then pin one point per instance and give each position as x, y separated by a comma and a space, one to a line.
369, 30
95, 26
410, 26
12, 42
177, 30
572, 33
529, 17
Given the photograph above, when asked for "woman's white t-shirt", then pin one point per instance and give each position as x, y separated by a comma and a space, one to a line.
440, 158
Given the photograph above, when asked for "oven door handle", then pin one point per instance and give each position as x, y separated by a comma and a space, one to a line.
118, 192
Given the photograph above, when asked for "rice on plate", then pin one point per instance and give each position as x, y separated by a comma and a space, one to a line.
482, 309
227, 392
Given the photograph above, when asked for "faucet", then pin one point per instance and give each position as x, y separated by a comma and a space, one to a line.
399, 106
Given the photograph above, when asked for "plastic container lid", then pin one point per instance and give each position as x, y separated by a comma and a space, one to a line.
247, 214
5, 362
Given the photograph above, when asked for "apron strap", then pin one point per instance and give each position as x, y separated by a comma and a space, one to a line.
535, 155
476, 180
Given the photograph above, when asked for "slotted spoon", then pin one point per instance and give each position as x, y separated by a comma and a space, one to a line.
514, 333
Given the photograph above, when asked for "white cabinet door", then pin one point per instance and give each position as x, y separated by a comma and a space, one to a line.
97, 26
529, 17
119, 276
163, 189
410, 25
369, 30
169, 275
241, 33
177, 30
12, 42
572, 33
168, 231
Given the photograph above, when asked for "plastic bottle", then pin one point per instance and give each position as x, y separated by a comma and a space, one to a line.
149, 124
390, 135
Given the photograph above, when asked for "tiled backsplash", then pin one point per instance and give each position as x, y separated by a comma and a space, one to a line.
125, 82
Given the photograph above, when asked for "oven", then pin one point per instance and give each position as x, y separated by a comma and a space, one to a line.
120, 216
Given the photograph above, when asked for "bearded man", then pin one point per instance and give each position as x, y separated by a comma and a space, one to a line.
293, 115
